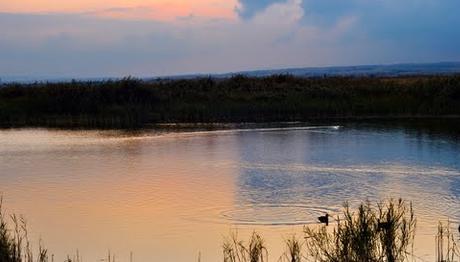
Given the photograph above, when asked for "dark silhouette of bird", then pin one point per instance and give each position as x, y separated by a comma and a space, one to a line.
458, 229
324, 219
383, 225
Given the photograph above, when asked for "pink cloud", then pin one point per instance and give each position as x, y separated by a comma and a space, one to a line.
136, 9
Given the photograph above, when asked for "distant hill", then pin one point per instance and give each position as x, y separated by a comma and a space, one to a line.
362, 70
393, 70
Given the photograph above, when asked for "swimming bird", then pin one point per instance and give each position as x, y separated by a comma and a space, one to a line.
383, 225
324, 219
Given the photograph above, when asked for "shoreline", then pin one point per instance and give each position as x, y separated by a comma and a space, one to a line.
185, 125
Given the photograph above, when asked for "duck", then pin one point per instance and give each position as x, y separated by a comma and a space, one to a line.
382, 225
324, 219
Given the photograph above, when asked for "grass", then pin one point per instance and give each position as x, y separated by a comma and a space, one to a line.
235, 250
384, 233
14, 243
381, 233
135, 103
446, 244
293, 251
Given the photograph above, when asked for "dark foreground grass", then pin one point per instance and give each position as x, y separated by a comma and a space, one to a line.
135, 103
384, 233
14, 242
381, 234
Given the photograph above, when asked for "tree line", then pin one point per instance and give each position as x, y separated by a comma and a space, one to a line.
131, 102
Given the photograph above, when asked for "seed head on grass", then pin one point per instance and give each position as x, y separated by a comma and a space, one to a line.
14, 244
446, 244
235, 250
293, 251
384, 234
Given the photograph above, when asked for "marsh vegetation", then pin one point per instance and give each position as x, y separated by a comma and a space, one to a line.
14, 241
133, 103
382, 233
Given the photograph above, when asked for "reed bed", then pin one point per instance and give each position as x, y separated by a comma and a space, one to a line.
132, 103
384, 233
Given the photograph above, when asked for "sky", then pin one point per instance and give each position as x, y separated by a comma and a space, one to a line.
113, 38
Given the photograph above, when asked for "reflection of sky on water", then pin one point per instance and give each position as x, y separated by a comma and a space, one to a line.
154, 191
347, 146
455, 187
325, 167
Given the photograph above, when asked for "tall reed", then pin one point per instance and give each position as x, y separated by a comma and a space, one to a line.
14, 243
235, 250
446, 244
382, 234
293, 251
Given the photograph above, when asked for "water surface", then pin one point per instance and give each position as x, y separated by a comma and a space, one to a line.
170, 195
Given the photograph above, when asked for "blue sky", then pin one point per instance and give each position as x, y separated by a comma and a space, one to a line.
158, 37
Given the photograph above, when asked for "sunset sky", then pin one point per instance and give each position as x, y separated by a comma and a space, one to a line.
90, 38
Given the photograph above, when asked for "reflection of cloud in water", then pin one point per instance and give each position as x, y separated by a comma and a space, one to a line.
325, 167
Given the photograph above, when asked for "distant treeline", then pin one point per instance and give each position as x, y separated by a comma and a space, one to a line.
134, 103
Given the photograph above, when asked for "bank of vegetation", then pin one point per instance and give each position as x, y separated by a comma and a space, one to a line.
135, 103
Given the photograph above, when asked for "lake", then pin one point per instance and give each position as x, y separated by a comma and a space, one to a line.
169, 194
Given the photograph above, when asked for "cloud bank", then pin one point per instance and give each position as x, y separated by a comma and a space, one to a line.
118, 41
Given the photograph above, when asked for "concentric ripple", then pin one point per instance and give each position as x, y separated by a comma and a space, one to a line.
275, 214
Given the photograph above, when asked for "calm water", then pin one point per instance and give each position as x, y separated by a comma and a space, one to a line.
166, 196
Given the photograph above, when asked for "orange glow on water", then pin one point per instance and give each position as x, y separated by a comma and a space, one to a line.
167, 197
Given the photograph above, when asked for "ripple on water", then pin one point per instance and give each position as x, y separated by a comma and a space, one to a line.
275, 214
